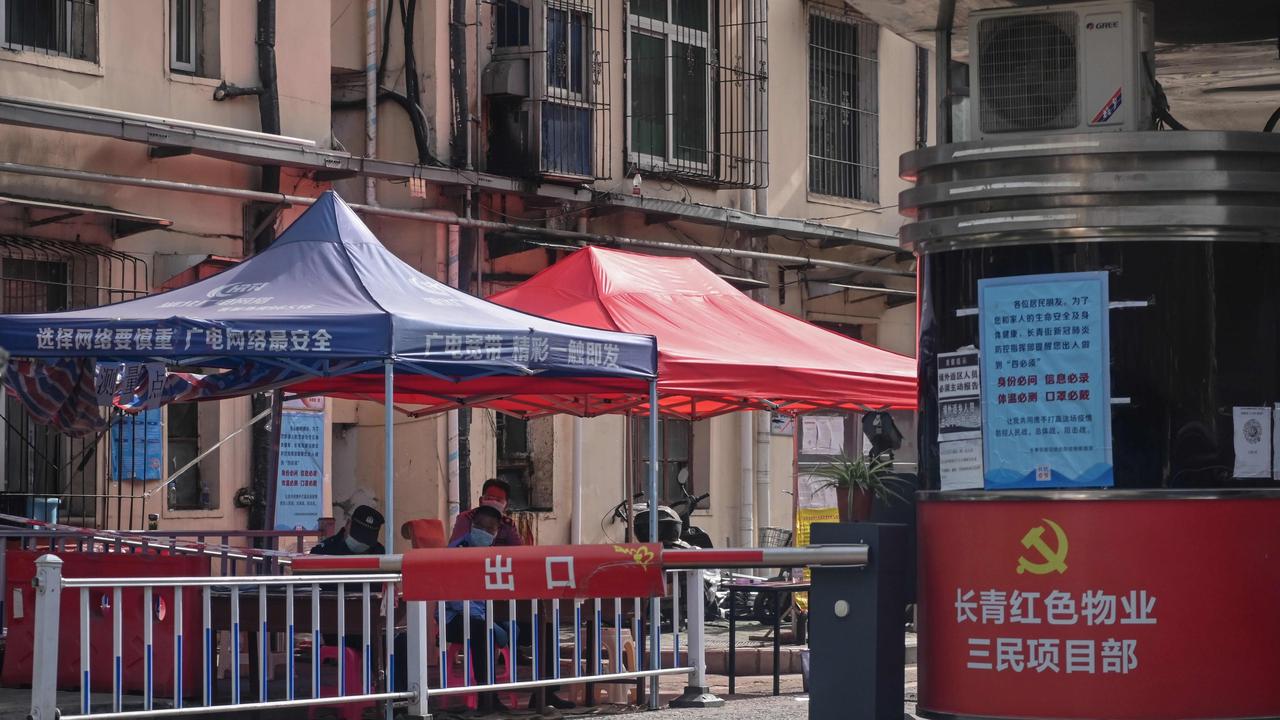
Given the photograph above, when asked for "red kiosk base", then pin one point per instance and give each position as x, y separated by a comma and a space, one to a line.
1100, 604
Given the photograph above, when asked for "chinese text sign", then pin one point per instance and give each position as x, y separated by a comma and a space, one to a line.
300, 471
534, 572
1099, 608
1046, 388
137, 446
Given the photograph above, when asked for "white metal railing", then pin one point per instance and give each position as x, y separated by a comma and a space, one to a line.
588, 641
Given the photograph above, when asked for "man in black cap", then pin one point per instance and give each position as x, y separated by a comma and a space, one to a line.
358, 537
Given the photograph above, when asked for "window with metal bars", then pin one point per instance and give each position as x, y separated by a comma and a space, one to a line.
844, 133
559, 125
193, 37
697, 82
515, 465
39, 463
63, 28
675, 457
187, 491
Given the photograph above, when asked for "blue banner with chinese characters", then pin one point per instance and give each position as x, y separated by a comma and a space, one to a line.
1046, 386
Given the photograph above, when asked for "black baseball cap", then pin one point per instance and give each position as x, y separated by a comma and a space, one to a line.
366, 523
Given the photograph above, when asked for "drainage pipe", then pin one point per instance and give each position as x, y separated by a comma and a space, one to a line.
746, 508
452, 421
371, 94
579, 427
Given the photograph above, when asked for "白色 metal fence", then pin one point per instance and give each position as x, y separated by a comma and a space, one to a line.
414, 654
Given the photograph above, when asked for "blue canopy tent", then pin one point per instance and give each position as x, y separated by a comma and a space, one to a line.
330, 305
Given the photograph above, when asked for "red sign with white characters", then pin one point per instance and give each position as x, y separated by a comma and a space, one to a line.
534, 572
1118, 609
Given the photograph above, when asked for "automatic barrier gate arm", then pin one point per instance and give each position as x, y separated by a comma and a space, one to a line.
843, 555
856, 616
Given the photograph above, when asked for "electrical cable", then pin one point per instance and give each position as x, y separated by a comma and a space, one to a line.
1271, 121
1159, 101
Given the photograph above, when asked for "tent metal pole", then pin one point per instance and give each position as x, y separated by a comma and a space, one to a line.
273, 462
389, 419
655, 609
447, 219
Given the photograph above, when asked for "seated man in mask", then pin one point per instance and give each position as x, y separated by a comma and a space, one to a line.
494, 495
485, 522
358, 537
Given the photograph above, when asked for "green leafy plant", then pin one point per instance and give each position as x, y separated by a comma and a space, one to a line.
858, 475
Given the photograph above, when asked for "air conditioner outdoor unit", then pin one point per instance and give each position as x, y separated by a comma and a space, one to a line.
1059, 69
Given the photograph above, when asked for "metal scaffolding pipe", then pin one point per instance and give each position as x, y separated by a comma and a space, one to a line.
439, 217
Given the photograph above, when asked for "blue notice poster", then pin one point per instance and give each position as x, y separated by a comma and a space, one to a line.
137, 446
300, 477
1046, 386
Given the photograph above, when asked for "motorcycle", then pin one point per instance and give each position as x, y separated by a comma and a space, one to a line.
675, 530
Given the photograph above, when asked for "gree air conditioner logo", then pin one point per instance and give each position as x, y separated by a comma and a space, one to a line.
1044, 559
1109, 25
235, 290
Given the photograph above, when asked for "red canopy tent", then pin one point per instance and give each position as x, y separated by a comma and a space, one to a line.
718, 350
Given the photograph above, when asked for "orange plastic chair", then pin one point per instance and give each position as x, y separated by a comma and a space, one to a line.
354, 676
424, 533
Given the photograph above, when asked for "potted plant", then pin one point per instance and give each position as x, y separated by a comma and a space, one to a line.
857, 480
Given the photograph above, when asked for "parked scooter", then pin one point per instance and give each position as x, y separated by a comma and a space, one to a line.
675, 530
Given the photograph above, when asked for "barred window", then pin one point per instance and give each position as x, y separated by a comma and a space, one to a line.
193, 37
65, 28
844, 142
559, 125
697, 89
675, 457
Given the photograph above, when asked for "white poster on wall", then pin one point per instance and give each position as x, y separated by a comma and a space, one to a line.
813, 495
960, 464
1252, 430
822, 435
1275, 443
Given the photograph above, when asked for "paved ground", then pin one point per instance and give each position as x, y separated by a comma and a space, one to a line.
753, 700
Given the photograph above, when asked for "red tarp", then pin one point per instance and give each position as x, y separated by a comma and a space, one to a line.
718, 350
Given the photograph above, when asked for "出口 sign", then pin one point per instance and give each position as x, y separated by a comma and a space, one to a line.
534, 572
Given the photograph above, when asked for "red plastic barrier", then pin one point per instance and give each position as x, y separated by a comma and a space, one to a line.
20, 617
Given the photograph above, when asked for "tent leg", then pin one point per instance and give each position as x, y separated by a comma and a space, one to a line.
389, 406
655, 613
389, 418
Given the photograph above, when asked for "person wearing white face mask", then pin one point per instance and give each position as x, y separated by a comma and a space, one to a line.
484, 528
478, 527
358, 537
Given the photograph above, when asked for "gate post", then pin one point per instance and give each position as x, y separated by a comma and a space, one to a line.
697, 693
44, 666
857, 632
418, 651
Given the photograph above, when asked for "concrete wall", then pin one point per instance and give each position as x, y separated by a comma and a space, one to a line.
132, 74
716, 448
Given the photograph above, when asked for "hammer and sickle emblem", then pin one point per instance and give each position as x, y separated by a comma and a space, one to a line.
1052, 560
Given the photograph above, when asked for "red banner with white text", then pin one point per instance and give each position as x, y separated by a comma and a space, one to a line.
534, 572
1119, 609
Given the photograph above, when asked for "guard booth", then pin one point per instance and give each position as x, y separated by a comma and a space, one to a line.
1099, 425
